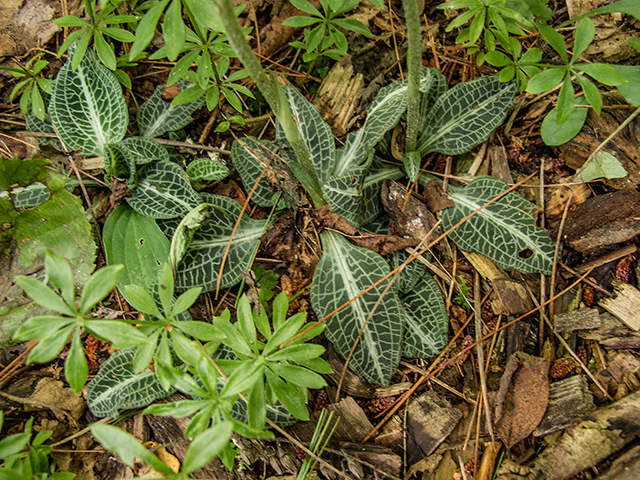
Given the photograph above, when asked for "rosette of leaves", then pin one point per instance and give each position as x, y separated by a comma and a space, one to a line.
32, 99
53, 331
99, 25
320, 39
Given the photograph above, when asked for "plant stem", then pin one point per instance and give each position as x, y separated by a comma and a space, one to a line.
273, 95
414, 63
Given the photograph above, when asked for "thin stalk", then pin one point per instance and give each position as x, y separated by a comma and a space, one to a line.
414, 62
271, 91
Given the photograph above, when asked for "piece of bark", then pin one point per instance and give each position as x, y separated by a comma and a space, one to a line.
486, 267
612, 334
604, 220
609, 257
620, 375
624, 304
430, 420
410, 216
500, 164
360, 460
568, 398
582, 319
392, 433
511, 297
434, 198
353, 425
624, 147
522, 400
338, 96
601, 433
625, 467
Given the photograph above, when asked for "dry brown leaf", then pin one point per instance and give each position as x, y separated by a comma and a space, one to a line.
523, 397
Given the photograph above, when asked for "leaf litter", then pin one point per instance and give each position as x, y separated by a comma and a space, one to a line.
440, 426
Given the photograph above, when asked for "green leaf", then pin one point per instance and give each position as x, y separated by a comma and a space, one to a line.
289, 396
141, 300
37, 104
48, 348
201, 263
13, 444
87, 106
257, 406
41, 327
557, 134
203, 331
343, 273
165, 288
60, 276
554, 39
352, 25
173, 30
466, 115
43, 295
306, 6
75, 367
315, 37
184, 301
190, 95
126, 447
156, 117
146, 29
136, 242
296, 353
497, 59
298, 375
118, 34
99, 286
546, 80
504, 231
81, 49
117, 386
566, 98
182, 408
607, 74
602, 165
425, 320
206, 446
104, 51
122, 335
245, 323
315, 132
583, 36
203, 171
634, 42
631, 89
70, 21
163, 191
591, 93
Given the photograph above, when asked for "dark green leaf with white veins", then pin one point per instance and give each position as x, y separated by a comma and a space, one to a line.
136, 242
425, 320
466, 115
315, 132
356, 195
87, 106
156, 117
116, 386
144, 150
343, 273
244, 154
382, 115
32, 196
163, 191
203, 171
201, 262
504, 231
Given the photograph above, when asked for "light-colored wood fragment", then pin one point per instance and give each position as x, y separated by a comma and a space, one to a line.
511, 297
93, 163
624, 304
485, 267
582, 319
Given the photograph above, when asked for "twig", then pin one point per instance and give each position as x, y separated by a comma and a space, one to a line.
480, 352
615, 132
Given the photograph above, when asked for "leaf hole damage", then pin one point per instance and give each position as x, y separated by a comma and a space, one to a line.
525, 254
141, 241
354, 181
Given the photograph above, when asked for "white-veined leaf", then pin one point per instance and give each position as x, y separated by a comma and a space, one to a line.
203, 171
87, 106
315, 132
116, 386
466, 115
163, 191
343, 273
425, 320
201, 262
156, 117
356, 195
250, 169
504, 231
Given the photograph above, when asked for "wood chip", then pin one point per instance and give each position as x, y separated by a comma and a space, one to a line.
624, 304
582, 319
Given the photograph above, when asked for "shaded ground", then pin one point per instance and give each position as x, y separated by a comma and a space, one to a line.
550, 377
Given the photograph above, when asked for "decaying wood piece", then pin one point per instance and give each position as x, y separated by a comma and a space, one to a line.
609, 257
500, 164
359, 460
612, 334
430, 420
602, 432
486, 267
604, 220
625, 467
624, 304
582, 319
339, 95
510, 297
568, 398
